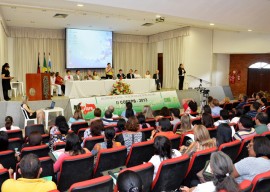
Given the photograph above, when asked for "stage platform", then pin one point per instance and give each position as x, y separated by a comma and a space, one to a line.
13, 109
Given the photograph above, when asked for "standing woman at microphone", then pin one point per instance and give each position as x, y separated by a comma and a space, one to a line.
6, 80
181, 75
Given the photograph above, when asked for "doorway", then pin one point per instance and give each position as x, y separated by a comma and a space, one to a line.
160, 67
258, 80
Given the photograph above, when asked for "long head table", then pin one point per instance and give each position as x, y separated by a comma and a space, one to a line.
88, 88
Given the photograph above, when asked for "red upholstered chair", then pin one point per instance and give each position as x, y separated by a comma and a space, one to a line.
146, 172
15, 134
183, 138
46, 165
231, 149
171, 174
197, 163
81, 133
4, 175
112, 126
216, 118
78, 125
45, 138
194, 114
266, 134
100, 184
228, 106
147, 132
196, 121
40, 151
139, 153
90, 142
235, 103
110, 159
212, 132
261, 183
175, 140
151, 122
246, 108
59, 145
7, 159
36, 127
245, 186
75, 169
243, 151
176, 126
15, 143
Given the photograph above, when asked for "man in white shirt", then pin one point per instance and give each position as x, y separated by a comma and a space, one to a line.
8, 124
107, 119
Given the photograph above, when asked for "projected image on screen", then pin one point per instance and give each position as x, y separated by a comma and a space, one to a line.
88, 48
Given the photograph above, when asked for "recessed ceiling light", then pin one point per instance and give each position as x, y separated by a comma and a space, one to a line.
80, 5
212, 24
249, 30
158, 16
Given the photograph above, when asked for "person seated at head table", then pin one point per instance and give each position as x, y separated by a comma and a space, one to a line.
95, 76
121, 74
68, 76
137, 75
147, 75
88, 76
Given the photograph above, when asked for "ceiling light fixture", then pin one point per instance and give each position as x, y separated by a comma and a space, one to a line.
158, 16
80, 5
212, 24
249, 30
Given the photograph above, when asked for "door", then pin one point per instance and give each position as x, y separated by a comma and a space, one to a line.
258, 80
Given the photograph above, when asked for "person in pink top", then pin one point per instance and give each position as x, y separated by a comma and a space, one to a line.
73, 148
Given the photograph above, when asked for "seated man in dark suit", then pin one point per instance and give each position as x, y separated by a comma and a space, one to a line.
130, 75
121, 74
157, 78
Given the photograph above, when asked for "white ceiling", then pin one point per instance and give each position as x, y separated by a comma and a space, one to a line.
127, 16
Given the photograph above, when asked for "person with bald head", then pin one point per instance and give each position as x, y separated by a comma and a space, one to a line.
156, 76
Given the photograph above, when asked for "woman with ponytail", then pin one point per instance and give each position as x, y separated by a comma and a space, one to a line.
222, 168
108, 141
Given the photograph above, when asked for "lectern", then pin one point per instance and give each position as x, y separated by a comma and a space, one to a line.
38, 86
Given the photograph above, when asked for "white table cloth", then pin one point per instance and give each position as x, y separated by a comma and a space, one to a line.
89, 88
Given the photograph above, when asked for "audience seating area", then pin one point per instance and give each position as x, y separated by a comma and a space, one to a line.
87, 172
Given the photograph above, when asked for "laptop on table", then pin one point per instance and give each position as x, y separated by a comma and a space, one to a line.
52, 105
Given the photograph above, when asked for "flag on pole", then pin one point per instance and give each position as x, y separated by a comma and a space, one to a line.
44, 68
49, 63
38, 65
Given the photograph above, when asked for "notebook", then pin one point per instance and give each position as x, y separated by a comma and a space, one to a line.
52, 105
55, 154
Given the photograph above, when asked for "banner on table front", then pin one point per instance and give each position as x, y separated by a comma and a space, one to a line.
156, 100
